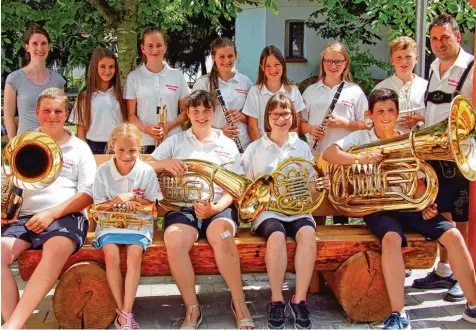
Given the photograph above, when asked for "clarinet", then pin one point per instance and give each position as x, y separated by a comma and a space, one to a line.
328, 113
224, 109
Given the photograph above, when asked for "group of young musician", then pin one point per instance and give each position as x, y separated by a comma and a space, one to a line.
265, 119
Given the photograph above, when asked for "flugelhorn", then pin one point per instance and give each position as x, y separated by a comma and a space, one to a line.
108, 215
31, 161
161, 120
357, 190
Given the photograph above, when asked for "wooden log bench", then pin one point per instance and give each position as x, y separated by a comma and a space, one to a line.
347, 256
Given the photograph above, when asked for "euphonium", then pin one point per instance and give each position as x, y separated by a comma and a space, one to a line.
31, 161
109, 215
289, 189
357, 190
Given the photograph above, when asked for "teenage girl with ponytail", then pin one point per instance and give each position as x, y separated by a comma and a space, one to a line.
154, 83
233, 86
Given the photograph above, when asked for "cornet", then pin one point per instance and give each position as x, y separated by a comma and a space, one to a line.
161, 120
116, 216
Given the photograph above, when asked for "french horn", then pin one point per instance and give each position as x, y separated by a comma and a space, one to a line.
290, 189
358, 190
31, 161
108, 215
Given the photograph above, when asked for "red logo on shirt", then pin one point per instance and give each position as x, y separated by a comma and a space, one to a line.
172, 87
222, 153
348, 103
241, 91
67, 164
453, 83
138, 192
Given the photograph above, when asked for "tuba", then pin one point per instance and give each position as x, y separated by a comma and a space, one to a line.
31, 161
108, 215
289, 189
358, 190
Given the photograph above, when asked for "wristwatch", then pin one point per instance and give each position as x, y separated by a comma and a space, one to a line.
356, 159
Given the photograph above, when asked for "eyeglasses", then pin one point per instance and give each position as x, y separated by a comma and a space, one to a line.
284, 115
337, 63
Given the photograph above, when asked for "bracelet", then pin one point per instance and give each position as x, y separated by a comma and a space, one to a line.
356, 159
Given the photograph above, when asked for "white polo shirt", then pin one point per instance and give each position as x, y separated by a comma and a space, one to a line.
218, 149
77, 176
435, 113
411, 96
258, 97
263, 156
357, 138
141, 180
146, 87
234, 92
105, 115
351, 105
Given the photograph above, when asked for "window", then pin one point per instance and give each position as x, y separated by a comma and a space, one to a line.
295, 41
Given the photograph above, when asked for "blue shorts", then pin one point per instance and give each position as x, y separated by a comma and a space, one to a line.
97, 148
126, 239
187, 216
74, 226
289, 229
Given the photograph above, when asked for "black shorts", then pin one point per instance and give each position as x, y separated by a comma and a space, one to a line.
381, 223
74, 226
97, 148
289, 229
187, 216
453, 192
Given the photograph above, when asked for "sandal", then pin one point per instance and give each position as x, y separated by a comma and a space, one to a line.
187, 324
130, 322
245, 321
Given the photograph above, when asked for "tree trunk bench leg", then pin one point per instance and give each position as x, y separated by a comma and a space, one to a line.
83, 298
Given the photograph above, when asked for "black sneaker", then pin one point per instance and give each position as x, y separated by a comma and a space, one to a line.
276, 315
397, 321
300, 314
469, 314
434, 281
454, 293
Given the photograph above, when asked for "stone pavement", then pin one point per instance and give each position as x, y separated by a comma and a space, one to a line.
158, 305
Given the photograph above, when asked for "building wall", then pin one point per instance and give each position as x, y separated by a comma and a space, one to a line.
257, 27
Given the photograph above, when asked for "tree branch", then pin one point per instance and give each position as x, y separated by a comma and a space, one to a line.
109, 14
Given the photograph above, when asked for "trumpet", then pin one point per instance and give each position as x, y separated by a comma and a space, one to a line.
407, 112
108, 215
358, 190
161, 120
31, 161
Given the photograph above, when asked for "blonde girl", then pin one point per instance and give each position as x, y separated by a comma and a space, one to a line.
99, 107
155, 84
272, 79
261, 158
234, 87
22, 87
125, 179
348, 113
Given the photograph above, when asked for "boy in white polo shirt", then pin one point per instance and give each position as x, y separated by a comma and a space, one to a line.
51, 219
389, 226
409, 87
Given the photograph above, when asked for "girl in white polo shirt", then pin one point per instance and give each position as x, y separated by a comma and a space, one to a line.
272, 79
99, 107
348, 113
154, 83
233, 86
217, 219
125, 179
261, 158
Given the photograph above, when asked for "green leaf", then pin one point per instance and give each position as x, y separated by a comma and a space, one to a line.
453, 7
